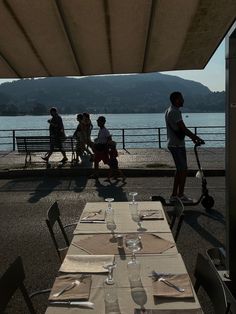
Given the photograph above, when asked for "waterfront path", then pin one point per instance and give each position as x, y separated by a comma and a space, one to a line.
133, 162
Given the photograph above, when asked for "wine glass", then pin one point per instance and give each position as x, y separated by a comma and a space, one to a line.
110, 267
133, 206
133, 243
133, 194
109, 200
110, 223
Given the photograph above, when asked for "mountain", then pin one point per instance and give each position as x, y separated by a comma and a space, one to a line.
106, 94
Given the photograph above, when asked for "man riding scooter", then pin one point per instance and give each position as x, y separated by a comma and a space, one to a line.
176, 132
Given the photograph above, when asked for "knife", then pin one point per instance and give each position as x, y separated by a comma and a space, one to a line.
92, 221
73, 303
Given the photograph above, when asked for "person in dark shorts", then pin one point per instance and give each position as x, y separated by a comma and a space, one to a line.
100, 147
57, 135
114, 170
176, 131
77, 135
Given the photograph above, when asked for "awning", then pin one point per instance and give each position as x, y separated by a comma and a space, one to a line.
41, 38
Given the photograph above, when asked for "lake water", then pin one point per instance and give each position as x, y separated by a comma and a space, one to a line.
134, 138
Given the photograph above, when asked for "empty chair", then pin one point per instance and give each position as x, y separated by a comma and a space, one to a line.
177, 215
207, 277
217, 256
12, 280
53, 217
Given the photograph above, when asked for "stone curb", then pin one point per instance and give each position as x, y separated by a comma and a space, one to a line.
134, 172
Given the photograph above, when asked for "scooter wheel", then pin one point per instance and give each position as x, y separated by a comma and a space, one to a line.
208, 202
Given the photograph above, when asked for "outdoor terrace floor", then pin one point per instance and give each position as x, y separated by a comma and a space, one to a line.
25, 200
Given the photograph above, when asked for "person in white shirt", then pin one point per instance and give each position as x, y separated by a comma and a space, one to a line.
176, 131
100, 146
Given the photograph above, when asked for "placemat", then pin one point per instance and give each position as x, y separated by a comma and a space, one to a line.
162, 289
86, 263
106, 244
91, 216
149, 214
79, 291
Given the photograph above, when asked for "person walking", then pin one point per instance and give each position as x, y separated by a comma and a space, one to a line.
79, 144
114, 170
176, 132
57, 135
100, 147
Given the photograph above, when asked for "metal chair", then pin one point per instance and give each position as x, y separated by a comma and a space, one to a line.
207, 277
12, 280
176, 214
217, 257
53, 217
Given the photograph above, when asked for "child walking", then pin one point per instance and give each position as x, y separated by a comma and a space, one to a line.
114, 170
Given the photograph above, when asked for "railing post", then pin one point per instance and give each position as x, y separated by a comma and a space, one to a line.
14, 140
159, 137
195, 130
123, 138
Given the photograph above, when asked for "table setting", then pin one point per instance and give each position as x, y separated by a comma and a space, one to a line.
134, 271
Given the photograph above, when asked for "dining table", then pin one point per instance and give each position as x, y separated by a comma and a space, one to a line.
93, 245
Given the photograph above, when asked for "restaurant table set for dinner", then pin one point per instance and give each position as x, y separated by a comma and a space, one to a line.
123, 259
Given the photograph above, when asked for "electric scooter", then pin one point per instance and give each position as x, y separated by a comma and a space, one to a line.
205, 199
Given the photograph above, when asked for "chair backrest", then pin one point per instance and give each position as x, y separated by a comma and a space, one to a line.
207, 277
53, 217
12, 280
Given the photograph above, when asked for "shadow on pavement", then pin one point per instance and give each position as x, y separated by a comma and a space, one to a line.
114, 190
192, 218
43, 189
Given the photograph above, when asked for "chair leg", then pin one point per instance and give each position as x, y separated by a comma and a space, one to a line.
197, 285
27, 299
172, 222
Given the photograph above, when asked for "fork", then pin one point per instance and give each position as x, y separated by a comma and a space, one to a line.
159, 277
149, 214
92, 214
67, 288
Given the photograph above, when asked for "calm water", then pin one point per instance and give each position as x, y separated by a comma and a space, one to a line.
142, 138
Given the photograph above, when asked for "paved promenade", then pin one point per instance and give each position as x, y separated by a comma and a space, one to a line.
133, 161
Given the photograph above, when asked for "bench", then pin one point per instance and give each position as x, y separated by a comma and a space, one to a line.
36, 144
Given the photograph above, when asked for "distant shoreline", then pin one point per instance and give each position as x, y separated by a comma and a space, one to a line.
102, 113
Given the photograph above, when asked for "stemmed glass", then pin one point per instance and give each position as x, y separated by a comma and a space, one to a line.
134, 244
109, 280
133, 206
133, 194
110, 223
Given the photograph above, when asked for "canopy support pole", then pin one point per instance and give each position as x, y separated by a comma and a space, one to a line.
230, 151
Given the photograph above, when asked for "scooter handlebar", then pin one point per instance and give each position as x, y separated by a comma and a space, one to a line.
199, 143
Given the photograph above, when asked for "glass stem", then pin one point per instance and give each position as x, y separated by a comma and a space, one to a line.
133, 257
110, 274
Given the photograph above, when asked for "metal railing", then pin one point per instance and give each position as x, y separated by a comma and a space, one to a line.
214, 136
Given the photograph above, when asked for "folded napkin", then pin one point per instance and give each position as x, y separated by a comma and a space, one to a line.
80, 291
151, 243
161, 289
86, 263
96, 215
154, 244
150, 214
89, 244
174, 311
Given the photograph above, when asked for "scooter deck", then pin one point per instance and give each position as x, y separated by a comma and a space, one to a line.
194, 202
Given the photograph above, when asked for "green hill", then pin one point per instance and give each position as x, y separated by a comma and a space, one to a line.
107, 94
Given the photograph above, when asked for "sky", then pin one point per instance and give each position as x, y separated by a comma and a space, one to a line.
213, 76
